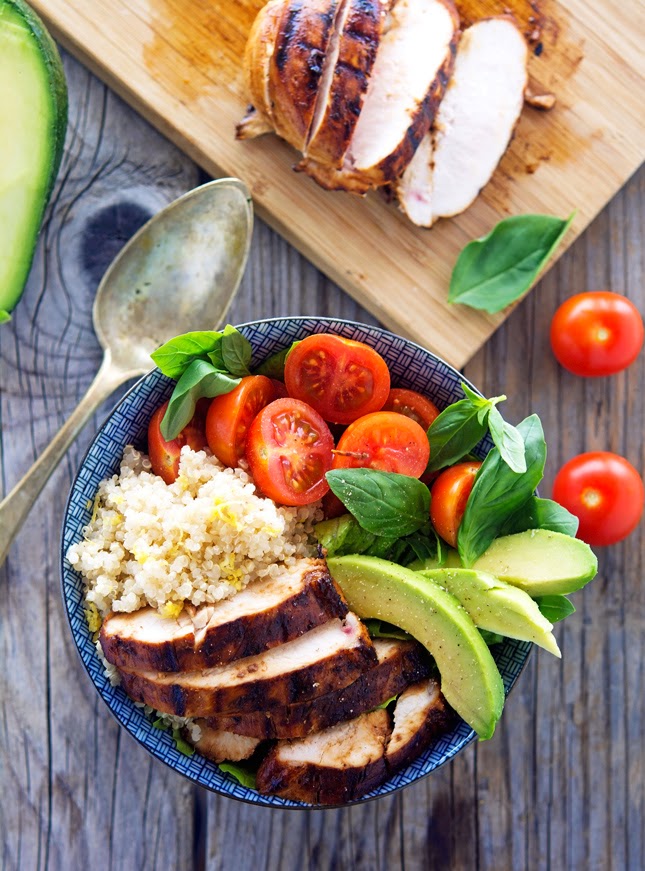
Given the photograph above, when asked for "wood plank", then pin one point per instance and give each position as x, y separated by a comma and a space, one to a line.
178, 62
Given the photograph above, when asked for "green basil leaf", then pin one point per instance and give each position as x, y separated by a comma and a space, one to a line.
385, 704
491, 638
343, 535
236, 352
498, 493
499, 268
454, 433
539, 513
555, 607
386, 547
181, 745
273, 366
200, 379
175, 356
244, 774
384, 503
381, 629
507, 440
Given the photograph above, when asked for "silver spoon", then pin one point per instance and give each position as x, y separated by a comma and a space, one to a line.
178, 273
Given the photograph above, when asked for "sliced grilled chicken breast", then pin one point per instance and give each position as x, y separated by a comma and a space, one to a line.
296, 66
257, 59
268, 612
408, 79
335, 766
219, 746
400, 663
421, 714
327, 658
473, 126
348, 65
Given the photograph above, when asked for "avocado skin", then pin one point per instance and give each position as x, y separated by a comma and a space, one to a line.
540, 562
470, 680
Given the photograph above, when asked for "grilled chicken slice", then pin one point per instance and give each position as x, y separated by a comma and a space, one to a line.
400, 663
413, 64
421, 714
219, 746
257, 59
347, 68
296, 67
473, 126
268, 612
335, 766
327, 658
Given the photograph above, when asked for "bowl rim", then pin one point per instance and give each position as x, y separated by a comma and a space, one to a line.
265, 801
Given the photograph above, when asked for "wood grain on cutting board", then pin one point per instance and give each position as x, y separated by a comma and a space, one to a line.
179, 63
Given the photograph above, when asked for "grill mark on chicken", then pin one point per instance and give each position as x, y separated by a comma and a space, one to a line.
399, 664
269, 612
328, 658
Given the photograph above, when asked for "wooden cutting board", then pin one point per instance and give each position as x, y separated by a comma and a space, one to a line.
179, 63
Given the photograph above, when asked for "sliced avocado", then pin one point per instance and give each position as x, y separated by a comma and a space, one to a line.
470, 681
540, 562
497, 606
451, 561
33, 120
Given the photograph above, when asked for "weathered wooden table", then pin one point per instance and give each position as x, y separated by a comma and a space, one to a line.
561, 784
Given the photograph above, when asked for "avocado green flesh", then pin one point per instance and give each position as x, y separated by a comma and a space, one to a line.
497, 606
540, 562
382, 590
33, 116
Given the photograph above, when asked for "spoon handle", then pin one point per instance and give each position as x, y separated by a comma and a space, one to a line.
17, 504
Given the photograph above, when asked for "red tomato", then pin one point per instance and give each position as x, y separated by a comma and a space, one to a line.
449, 496
339, 378
596, 333
230, 416
413, 405
384, 440
164, 456
279, 388
332, 506
289, 450
605, 492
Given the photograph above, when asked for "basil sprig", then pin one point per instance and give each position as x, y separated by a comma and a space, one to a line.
461, 426
273, 366
498, 493
555, 607
384, 503
499, 268
539, 513
204, 364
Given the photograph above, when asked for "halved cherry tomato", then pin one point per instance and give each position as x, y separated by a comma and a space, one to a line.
332, 506
289, 451
164, 456
384, 440
605, 492
597, 333
413, 405
279, 388
230, 416
449, 496
341, 379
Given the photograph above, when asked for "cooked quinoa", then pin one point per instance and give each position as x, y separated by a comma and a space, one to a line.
198, 540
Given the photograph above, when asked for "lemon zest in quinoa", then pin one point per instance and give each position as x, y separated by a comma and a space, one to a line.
222, 511
171, 610
230, 574
92, 617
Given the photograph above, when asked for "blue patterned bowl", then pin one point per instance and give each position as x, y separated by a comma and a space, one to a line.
411, 366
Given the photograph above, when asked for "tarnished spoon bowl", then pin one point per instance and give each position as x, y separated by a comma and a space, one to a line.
178, 273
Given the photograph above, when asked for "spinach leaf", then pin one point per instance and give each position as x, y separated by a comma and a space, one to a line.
499, 492
454, 433
244, 774
497, 269
507, 440
200, 379
343, 535
539, 513
384, 503
175, 356
555, 607
491, 638
381, 629
236, 352
273, 366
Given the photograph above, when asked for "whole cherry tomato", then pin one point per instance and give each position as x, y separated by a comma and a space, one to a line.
341, 379
597, 333
449, 496
164, 456
384, 440
605, 492
231, 414
289, 451
413, 405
